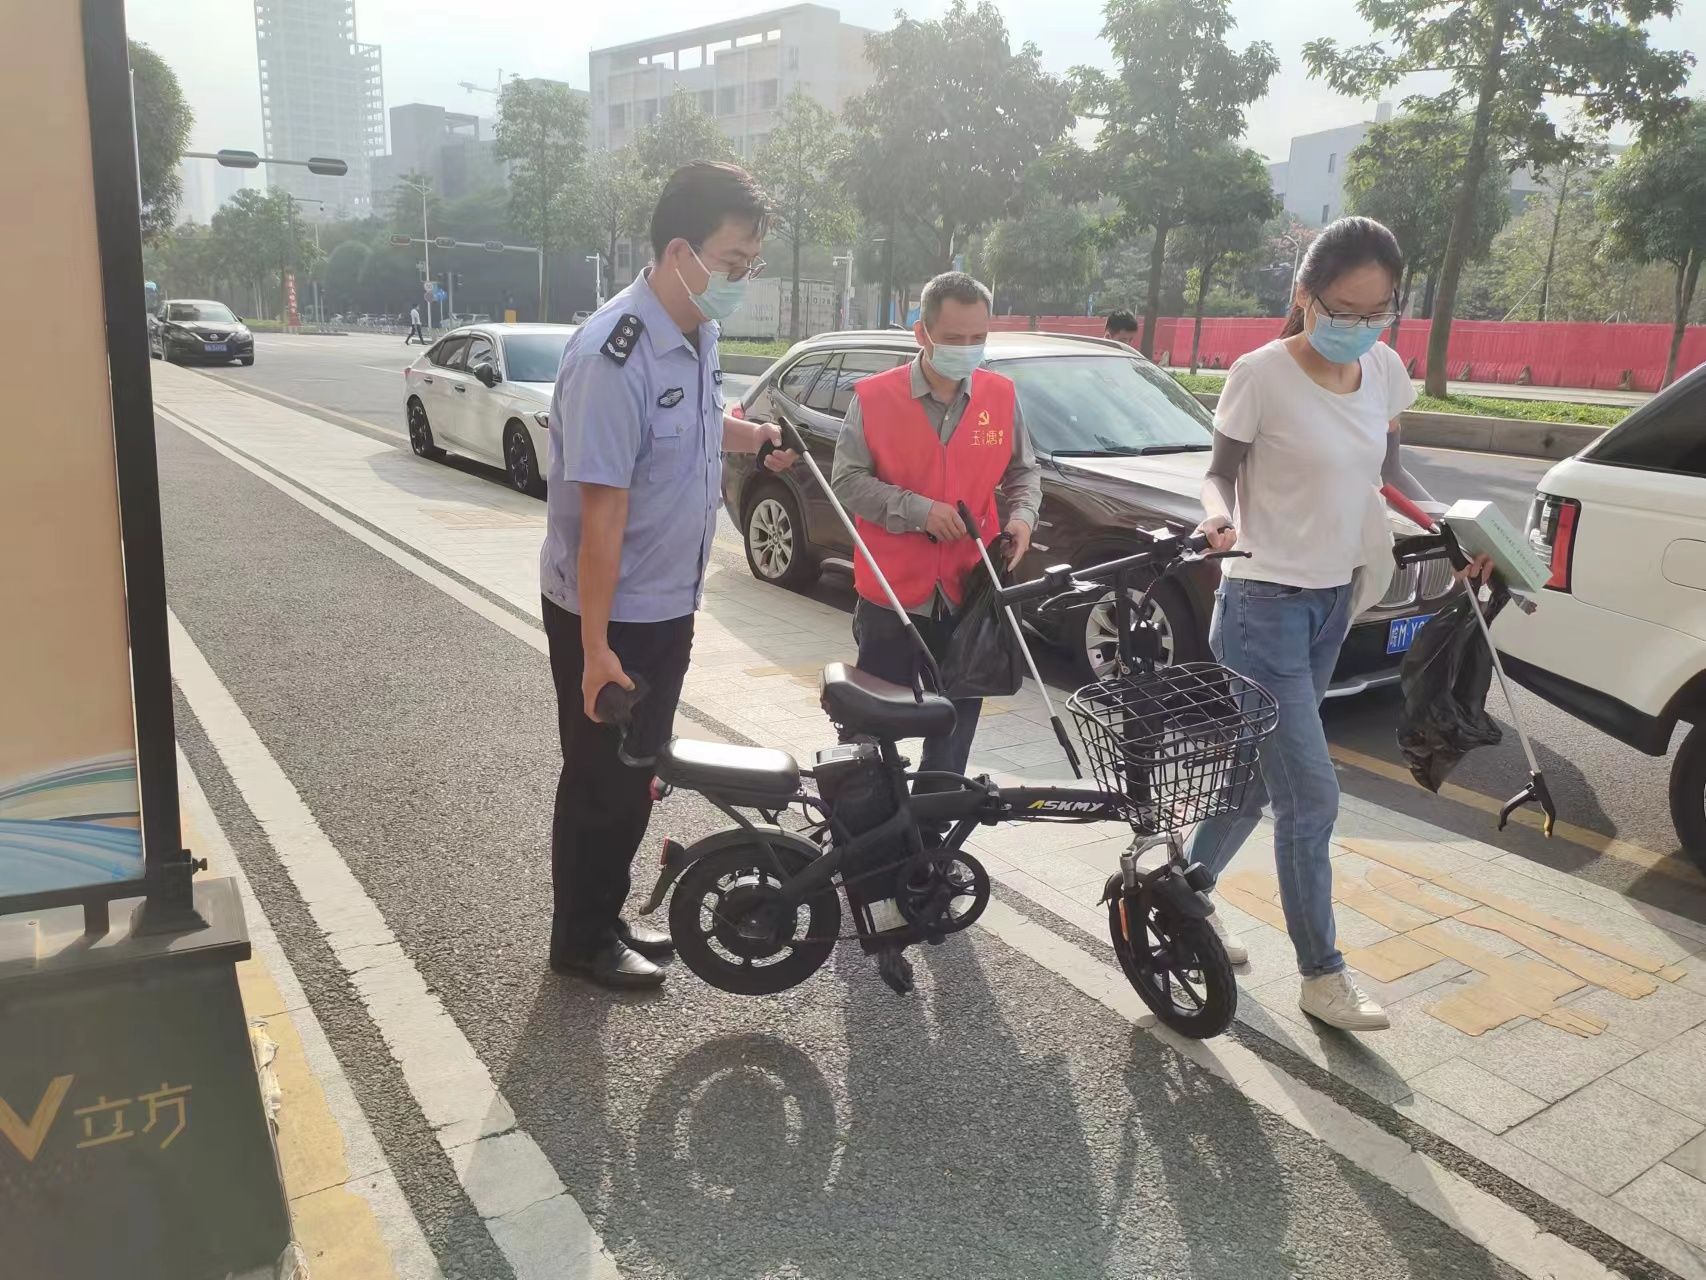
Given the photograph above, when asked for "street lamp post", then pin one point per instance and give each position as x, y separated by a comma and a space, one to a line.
424, 189
294, 201
845, 260
597, 260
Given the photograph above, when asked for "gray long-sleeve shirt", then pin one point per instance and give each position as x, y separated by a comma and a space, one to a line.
899, 510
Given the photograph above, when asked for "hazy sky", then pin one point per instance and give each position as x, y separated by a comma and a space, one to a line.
431, 45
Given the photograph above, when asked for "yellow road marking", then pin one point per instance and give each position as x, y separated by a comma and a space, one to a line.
1634, 855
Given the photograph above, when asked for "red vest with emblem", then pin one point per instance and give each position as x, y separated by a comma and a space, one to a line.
907, 451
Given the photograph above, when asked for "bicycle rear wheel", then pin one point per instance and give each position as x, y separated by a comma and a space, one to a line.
1176, 964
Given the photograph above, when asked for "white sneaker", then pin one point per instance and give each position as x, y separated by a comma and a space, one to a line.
1236, 951
1336, 999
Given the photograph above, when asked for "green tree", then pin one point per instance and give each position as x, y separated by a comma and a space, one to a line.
1225, 217
680, 135
1047, 252
343, 275
1654, 204
942, 140
163, 123
390, 282
1404, 174
798, 169
1180, 92
1504, 58
610, 203
542, 134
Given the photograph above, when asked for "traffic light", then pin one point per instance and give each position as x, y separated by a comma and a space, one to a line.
238, 159
326, 165
444, 242
401, 242
494, 246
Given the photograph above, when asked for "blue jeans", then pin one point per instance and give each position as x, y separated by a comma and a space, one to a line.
1287, 639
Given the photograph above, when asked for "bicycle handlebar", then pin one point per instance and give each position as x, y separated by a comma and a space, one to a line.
1062, 579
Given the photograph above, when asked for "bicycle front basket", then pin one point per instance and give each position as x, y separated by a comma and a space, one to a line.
1179, 742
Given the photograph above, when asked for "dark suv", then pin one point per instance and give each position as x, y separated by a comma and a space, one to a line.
1123, 447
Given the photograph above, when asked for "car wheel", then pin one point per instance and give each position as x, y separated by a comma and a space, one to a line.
1095, 639
775, 537
519, 462
247, 360
1688, 795
420, 433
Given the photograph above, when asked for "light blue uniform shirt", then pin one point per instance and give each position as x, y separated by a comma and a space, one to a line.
641, 412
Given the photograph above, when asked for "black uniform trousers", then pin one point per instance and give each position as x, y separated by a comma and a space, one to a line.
603, 805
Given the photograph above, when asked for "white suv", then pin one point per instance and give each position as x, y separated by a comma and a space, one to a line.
1619, 639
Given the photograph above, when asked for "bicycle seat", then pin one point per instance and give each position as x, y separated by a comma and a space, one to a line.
757, 777
862, 703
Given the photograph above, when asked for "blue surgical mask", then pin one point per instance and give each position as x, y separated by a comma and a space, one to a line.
721, 297
1342, 346
957, 363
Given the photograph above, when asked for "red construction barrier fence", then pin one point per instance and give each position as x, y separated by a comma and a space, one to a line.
1601, 356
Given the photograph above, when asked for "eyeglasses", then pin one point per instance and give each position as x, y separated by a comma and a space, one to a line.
745, 271
1354, 319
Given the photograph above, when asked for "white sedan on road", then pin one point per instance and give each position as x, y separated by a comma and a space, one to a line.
483, 391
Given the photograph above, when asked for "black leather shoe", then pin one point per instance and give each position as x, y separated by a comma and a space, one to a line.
614, 965
652, 943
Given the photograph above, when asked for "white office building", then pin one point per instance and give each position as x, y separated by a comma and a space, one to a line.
322, 94
739, 73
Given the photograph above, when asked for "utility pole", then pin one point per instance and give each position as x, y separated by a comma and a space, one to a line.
319, 315
597, 260
424, 188
845, 260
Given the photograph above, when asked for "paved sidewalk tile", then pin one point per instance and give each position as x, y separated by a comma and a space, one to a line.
1649, 1022
1605, 1135
1672, 1199
1549, 1063
1674, 1073
1483, 1097
1691, 1158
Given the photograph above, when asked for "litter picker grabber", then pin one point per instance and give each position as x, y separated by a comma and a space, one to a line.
1536, 791
1019, 635
927, 661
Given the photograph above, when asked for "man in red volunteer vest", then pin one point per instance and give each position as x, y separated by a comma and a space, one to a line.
918, 440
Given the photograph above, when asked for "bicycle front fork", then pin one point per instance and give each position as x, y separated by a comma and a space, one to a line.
1140, 846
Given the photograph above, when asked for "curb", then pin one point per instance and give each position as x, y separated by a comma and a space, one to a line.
733, 362
1475, 434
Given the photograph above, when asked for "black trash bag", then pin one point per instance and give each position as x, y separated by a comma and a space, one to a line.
982, 657
1445, 677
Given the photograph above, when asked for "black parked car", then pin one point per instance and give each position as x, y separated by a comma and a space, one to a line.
193, 330
1123, 448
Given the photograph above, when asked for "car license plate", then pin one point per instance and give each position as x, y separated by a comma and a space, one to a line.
214, 346
1401, 633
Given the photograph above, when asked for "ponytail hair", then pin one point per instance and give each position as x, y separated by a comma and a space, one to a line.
1343, 246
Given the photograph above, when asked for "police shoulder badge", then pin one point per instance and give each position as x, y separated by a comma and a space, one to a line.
670, 398
620, 344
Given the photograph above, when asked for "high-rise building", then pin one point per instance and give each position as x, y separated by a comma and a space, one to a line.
322, 94
739, 73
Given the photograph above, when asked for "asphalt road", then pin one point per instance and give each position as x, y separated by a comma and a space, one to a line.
1000, 1123
1599, 784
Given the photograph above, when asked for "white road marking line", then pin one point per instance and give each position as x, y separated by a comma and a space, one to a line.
1506, 1233
426, 572
1509, 1234
370, 1176
263, 393
531, 1216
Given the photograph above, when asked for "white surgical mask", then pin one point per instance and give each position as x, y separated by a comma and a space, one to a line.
721, 297
957, 363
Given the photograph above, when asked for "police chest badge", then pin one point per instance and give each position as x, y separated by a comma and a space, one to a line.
670, 398
717, 376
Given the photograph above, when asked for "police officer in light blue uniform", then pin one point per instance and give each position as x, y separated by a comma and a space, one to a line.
638, 430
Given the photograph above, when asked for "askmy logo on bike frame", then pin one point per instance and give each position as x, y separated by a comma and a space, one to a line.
1069, 806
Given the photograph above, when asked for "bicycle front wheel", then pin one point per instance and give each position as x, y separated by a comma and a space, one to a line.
1176, 964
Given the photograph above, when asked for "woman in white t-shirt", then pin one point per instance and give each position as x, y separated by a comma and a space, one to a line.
1305, 430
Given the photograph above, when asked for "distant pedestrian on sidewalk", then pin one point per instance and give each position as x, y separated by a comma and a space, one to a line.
637, 431
1121, 326
414, 334
918, 440
1305, 431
